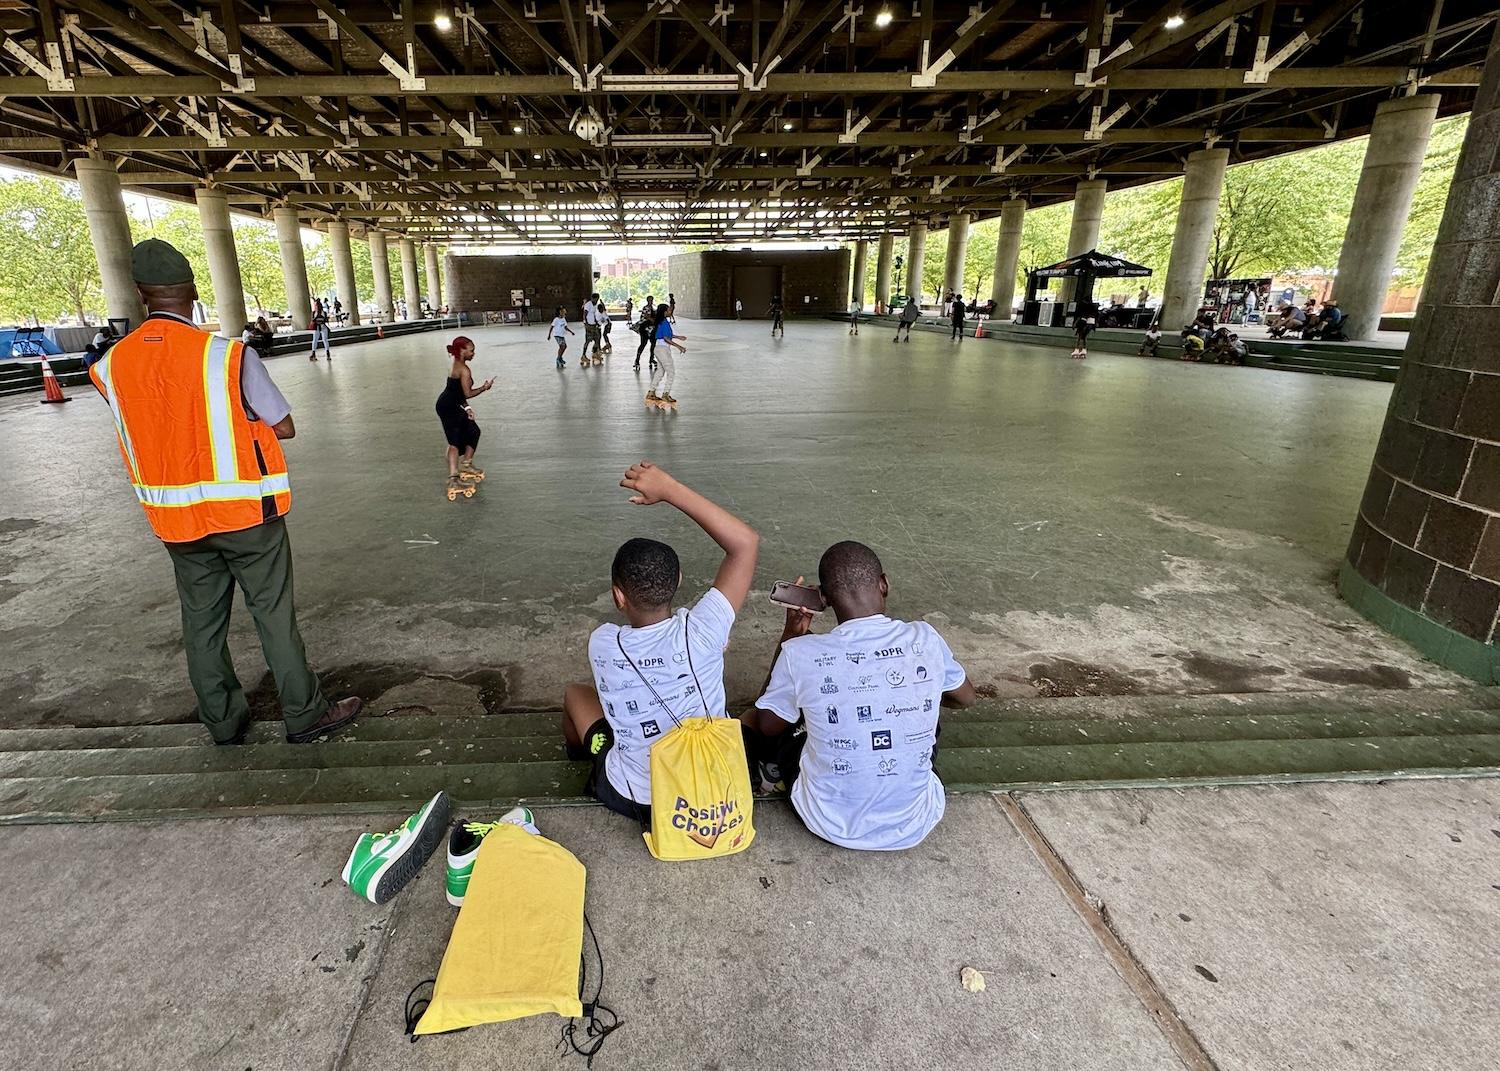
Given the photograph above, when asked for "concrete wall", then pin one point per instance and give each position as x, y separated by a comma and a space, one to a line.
704, 282
483, 284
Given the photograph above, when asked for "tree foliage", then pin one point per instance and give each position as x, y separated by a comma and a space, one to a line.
48, 268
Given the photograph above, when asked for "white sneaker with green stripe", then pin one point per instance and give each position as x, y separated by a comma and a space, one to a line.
463, 848
382, 863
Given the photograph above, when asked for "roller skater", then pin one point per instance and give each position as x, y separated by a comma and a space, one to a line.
909, 315
319, 327
777, 312
660, 394
1082, 325
645, 326
459, 426
555, 331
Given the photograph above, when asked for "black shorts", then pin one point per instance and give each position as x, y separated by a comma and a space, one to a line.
597, 742
459, 428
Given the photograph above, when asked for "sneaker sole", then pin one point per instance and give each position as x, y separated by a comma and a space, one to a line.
400, 872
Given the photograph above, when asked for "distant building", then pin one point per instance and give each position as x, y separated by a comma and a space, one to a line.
629, 266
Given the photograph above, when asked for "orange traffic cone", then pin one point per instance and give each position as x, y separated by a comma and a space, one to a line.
979, 329
50, 384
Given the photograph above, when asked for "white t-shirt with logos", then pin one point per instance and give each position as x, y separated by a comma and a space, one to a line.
559, 325
661, 654
869, 691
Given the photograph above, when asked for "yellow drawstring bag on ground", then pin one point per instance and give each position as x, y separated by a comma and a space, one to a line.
516, 947
700, 792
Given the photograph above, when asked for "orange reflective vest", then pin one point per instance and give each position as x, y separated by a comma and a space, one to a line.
199, 464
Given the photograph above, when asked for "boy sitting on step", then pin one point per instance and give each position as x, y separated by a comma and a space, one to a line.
864, 702
665, 665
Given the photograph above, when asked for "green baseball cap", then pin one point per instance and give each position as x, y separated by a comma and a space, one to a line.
157, 263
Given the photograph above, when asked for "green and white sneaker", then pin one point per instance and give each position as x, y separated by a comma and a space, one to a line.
463, 848
382, 863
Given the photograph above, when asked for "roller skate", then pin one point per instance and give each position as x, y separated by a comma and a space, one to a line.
666, 401
467, 471
598, 358
561, 363
652, 399
457, 486
583, 363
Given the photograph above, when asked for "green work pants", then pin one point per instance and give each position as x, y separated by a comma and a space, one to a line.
259, 560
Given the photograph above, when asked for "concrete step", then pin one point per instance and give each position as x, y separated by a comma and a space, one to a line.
492, 761
1318, 366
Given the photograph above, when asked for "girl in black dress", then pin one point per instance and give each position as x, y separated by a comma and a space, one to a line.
646, 328
459, 426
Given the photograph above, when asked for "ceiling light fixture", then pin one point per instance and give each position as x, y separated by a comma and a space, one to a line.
1175, 21
517, 129
536, 156
786, 126
443, 22
764, 154
883, 19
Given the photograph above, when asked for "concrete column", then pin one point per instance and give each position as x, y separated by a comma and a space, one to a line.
380, 263
1008, 256
1083, 234
885, 253
109, 231
223, 261
1201, 185
1382, 201
857, 285
1424, 557
447, 281
343, 269
293, 266
916, 250
409, 285
434, 291
958, 252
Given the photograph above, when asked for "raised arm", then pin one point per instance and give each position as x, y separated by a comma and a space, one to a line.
740, 543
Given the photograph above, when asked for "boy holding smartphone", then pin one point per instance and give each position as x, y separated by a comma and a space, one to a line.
665, 665
862, 702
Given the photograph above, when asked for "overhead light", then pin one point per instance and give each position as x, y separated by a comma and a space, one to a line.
516, 128
883, 19
443, 22
536, 156
786, 126
1175, 21
764, 153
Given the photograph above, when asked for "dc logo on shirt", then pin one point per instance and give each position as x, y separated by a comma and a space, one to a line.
921, 674
887, 767
649, 729
895, 678
880, 740
833, 715
828, 687
632, 707
864, 713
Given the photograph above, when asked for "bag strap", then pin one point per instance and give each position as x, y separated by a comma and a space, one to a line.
688, 647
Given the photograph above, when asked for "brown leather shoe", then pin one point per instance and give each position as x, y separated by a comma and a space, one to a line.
334, 718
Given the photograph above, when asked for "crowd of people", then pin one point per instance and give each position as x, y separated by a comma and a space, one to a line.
1203, 340
1309, 321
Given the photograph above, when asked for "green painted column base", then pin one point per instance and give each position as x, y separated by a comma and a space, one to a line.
1450, 649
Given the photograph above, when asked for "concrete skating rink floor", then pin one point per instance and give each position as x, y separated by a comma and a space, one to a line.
1116, 525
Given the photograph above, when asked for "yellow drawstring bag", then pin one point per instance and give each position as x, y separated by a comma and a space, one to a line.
700, 780
700, 792
518, 941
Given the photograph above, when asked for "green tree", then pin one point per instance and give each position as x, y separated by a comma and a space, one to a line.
49, 266
260, 265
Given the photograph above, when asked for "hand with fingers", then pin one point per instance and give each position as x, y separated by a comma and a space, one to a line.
650, 484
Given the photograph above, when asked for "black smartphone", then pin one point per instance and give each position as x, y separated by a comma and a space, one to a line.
797, 596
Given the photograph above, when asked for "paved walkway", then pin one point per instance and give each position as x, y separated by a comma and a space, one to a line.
1318, 926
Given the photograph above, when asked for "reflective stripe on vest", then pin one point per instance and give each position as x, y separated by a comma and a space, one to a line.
221, 491
114, 408
220, 424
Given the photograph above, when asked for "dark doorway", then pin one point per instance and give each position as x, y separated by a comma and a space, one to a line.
755, 286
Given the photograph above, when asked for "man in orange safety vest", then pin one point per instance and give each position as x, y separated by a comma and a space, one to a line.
200, 426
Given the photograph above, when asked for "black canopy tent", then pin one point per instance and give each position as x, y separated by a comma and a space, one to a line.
1085, 267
